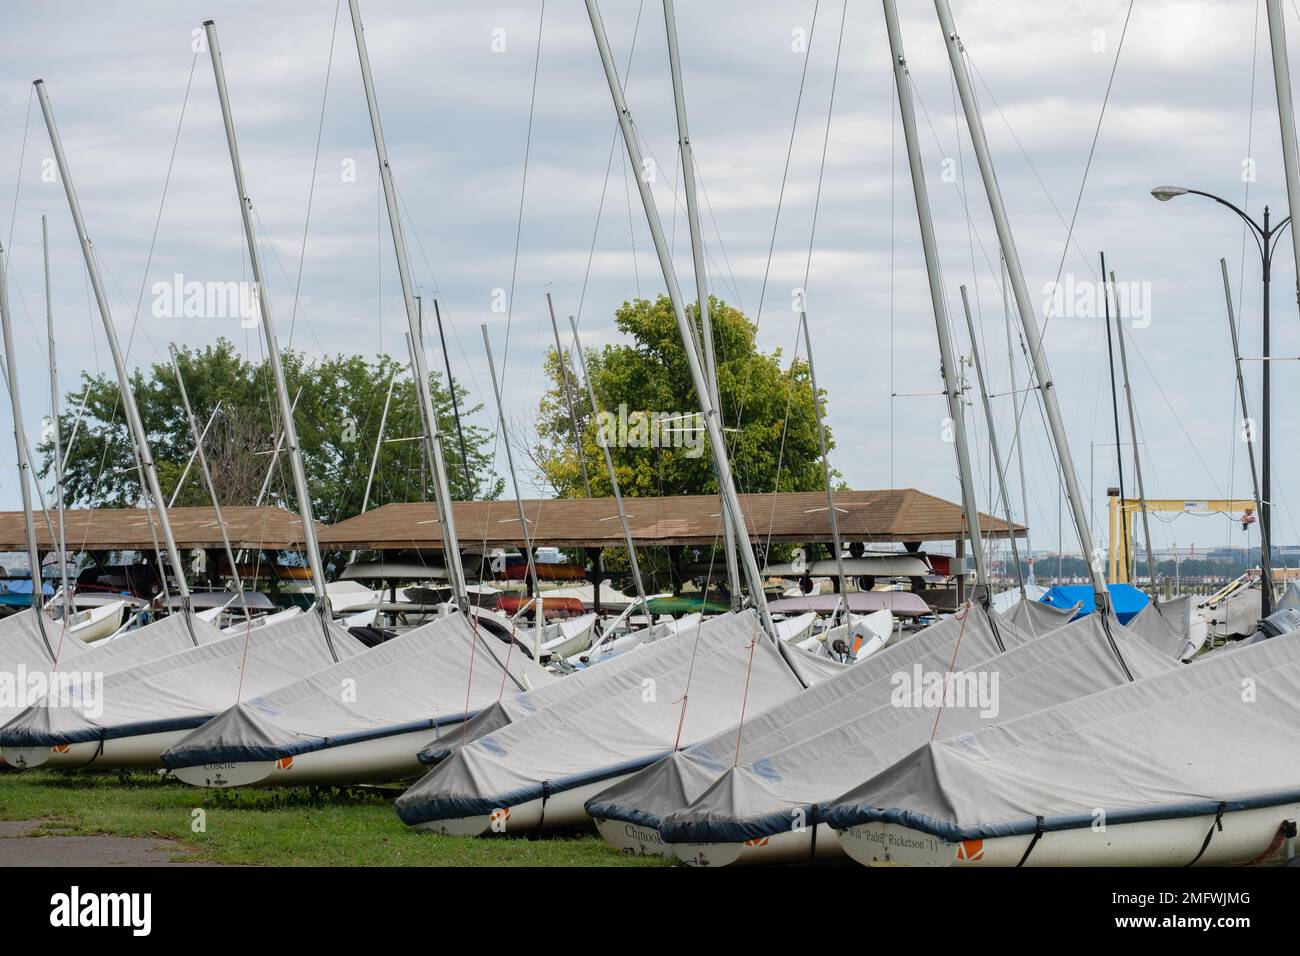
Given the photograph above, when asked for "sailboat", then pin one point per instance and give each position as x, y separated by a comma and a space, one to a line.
1178, 769
362, 719
536, 769
32, 641
749, 794
102, 619
539, 770
139, 712
145, 708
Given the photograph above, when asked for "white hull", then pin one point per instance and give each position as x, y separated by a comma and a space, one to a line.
1246, 835
566, 638
383, 758
96, 623
796, 629
142, 750
789, 847
632, 839
564, 809
634, 639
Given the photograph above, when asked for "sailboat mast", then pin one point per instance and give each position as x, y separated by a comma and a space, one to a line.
998, 467
947, 361
267, 322
1024, 305
1016, 439
455, 402
538, 616
613, 478
836, 543
1137, 458
712, 423
24, 464
208, 482
374, 458
189, 462
1286, 119
1125, 567
129, 408
1265, 542
1291, 163
568, 397
57, 460
441, 490
701, 273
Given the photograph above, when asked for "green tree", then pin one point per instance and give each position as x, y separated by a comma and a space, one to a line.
769, 411
340, 401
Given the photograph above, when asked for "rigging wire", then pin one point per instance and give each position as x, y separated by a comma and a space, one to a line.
523, 188
311, 190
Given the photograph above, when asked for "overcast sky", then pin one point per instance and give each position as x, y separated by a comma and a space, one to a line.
1192, 103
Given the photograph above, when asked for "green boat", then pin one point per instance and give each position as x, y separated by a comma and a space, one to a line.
686, 604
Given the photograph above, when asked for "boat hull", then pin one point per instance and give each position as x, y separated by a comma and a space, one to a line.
790, 847
564, 809
632, 839
383, 758
142, 750
1246, 836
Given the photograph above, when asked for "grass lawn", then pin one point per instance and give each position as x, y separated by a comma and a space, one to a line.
265, 827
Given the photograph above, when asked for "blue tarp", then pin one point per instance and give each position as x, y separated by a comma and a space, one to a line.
17, 592
1125, 598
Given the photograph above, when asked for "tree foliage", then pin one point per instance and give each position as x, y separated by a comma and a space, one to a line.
340, 400
769, 412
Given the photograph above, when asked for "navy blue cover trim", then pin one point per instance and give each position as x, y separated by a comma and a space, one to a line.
196, 756
415, 808
430, 757
737, 831
844, 816
30, 737
847, 815
621, 814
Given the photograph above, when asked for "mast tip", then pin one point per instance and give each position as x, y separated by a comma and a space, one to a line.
209, 23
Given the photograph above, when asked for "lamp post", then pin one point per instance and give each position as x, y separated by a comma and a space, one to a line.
1264, 237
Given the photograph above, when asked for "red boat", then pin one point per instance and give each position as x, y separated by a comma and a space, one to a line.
551, 607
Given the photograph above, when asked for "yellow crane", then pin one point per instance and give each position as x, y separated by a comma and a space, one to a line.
1122, 531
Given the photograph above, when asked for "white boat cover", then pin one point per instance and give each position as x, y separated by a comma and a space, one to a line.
684, 688
807, 756
21, 645
1165, 626
1208, 738
421, 679
1005, 600
185, 689
1237, 615
161, 637
1033, 616
809, 666
957, 642
512, 707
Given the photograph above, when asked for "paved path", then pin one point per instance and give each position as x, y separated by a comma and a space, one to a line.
20, 845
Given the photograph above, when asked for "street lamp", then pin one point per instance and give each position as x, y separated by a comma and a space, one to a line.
1265, 237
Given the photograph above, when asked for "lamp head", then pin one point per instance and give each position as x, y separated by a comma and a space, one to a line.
1166, 193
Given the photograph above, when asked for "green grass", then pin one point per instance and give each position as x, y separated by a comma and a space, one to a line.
279, 828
